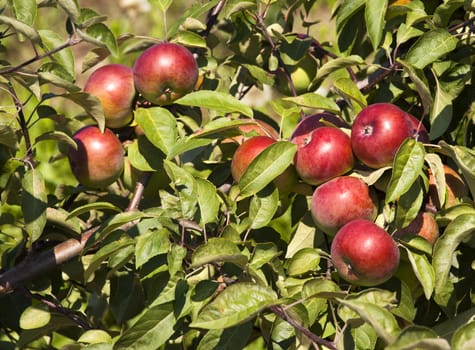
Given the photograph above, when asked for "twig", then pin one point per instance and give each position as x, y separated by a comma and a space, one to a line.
279, 311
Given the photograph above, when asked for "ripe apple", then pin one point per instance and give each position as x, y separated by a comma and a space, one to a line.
247, 151
341, 200
423, 225
364, 254
323, 154
113, 85
455, 189
419, 131
98, 160
165, 72
377, 133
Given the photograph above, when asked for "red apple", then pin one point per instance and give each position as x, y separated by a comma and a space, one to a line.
248, 151
165, 72
309, 123
113, 85
377, 133
341, 200
364, 254
423, 225
419, 131
98, 160
324, 154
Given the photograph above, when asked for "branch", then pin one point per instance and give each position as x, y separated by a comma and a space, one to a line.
279, 311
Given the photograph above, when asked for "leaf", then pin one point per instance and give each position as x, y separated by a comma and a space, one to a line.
444, 249
94, 336
54, 73
57, 135
263, 253
65, 57
144, 156
437, 169
164, 4
347, 9
263, 206
269, 164
304, 261
175, 258
100, 35
423, 271
218, 250
430, 47
86, 208
407, 168
71, 7
349, 89
151, 330
314, 100
375, 11
34, 203
409, 204
464, 337
418, 337
159, 126
91, 105
151, 244
34, 316
189, 39
208, 201
338, 63
233, 338
215, 101
7, 131
378, 317
185, 186
441, 112
233, 306
22, 28
25, 11
422, 86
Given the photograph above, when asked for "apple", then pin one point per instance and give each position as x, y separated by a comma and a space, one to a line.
113, 85
377, 133
455, 189
302, 76
165, 72
98, 160
310, 122
419, 131
323, 154
247, 151
424, 225
341, 200
364, 254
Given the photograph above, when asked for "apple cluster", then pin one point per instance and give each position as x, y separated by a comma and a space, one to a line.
343, 206
161, 74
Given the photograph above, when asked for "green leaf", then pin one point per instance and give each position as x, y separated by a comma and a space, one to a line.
144, 156
86, 208
313, 100
100, 35
208, 201
437, 169
218, 250
430, 47
378, 317
91, 105
159, 126
71, 7
34, 203
216, 101
175, 258
418, 337
338, 63
234, 306
441, 112
35, 316
464, 337
151, 330
65, 57
233, 338
304, 261
7, 131
22, 28
263, 253
185, 186
347, 9
349, 89
423, 271
54, 73
187, 144
189, 39
56, 135
263, 206
421, 84
25, 11
375, 11
269, 164
444, 249
410, 203
151, 244
94, 336
164, 4
407, 168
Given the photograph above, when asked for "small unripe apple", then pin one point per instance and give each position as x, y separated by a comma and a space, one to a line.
341, 200
165, 72
98, 160
423, 225
248, 151
302, 76
455, 189
323, 154
113, 85
377, 133
364, 253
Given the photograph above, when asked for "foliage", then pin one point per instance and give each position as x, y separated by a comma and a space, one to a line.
184, 258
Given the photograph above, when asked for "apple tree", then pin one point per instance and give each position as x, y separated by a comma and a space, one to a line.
237, 175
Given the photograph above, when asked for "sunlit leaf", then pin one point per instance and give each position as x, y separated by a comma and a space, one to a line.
151, 244
217, 249
263, 206
423, 271
418, 337
313, 100
21, 27
35, 317
99, 34
208, 201
25, 10
338, 63
34, 203
375, 11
